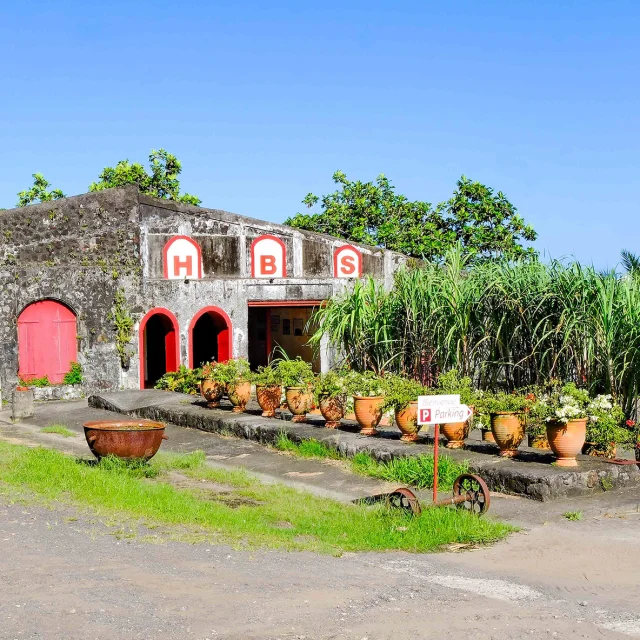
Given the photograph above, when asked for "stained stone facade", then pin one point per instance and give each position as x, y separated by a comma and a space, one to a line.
185, 275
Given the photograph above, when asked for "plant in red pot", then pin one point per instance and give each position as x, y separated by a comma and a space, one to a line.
268, 389
401, 397
452, 383
330, 392
236, 376
367, 390
607, 428
507, 412
211, 387
566, 421
297, 378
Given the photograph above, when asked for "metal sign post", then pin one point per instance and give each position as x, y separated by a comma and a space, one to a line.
437, 410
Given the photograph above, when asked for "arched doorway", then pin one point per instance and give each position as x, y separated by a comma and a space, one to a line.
159, 346
210, 337
46, 340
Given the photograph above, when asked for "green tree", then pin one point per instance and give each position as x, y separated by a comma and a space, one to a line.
485, 223
38, 192
161, 182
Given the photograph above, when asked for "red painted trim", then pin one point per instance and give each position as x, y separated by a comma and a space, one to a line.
338, 251
284, 254
221, 338
167, 246
141, 328
285, 303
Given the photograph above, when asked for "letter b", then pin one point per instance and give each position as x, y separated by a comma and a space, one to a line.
267, 265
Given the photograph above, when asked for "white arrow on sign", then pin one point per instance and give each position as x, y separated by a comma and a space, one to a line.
442, 413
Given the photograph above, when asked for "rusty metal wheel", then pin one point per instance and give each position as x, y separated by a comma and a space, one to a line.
475, 492
403, 498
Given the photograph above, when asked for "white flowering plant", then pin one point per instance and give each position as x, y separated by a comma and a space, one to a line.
606, 426
366, 384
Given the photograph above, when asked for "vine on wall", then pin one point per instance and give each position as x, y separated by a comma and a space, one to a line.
123, 324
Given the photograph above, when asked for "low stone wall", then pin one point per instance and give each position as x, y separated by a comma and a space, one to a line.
531, 475
58, 392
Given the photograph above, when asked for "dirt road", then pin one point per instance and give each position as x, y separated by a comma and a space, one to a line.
63, 575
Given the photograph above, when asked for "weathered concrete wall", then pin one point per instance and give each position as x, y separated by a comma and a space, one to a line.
81, 250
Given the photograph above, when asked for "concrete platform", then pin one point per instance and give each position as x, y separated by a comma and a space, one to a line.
531, 475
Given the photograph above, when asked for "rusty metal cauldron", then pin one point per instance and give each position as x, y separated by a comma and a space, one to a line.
128, 439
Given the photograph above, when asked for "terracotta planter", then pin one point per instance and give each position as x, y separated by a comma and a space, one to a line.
539, 442
332, 410
368, 410
487, 435
212, 392
128, 439
239, 394
566, 440
268, 398
299, 401
407, 421
508, 431
598, 451
455, 433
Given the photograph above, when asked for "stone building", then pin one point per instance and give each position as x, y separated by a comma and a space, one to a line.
131, 286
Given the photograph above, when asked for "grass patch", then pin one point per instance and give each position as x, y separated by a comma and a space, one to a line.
249, 514
416, 471
60, 429
574, 516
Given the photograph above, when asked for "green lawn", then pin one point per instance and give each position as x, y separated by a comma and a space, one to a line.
59, 429
243, 512
416, 471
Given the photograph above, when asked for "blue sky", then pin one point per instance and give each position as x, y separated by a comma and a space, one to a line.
263, 101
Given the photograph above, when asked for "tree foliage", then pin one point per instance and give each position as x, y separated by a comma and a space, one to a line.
38, 192
373, 213
160, 182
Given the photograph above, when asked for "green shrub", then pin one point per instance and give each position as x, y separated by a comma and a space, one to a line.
231, 372
268, 376
35, 382
184, 380
400, 392
332, 384
74, 375
365, 384
294, 373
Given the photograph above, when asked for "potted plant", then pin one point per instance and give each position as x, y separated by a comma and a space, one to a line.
401, 397
606, 428
236, 376
211, 388
296, 377
451, 383
507, 413
368, 399
536, 427
567, 410
330, 393
268, 389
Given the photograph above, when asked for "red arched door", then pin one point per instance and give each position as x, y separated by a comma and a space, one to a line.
159, 347
46, 340
210, 337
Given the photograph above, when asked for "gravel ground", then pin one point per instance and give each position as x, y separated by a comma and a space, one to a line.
68, 578
66, 575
